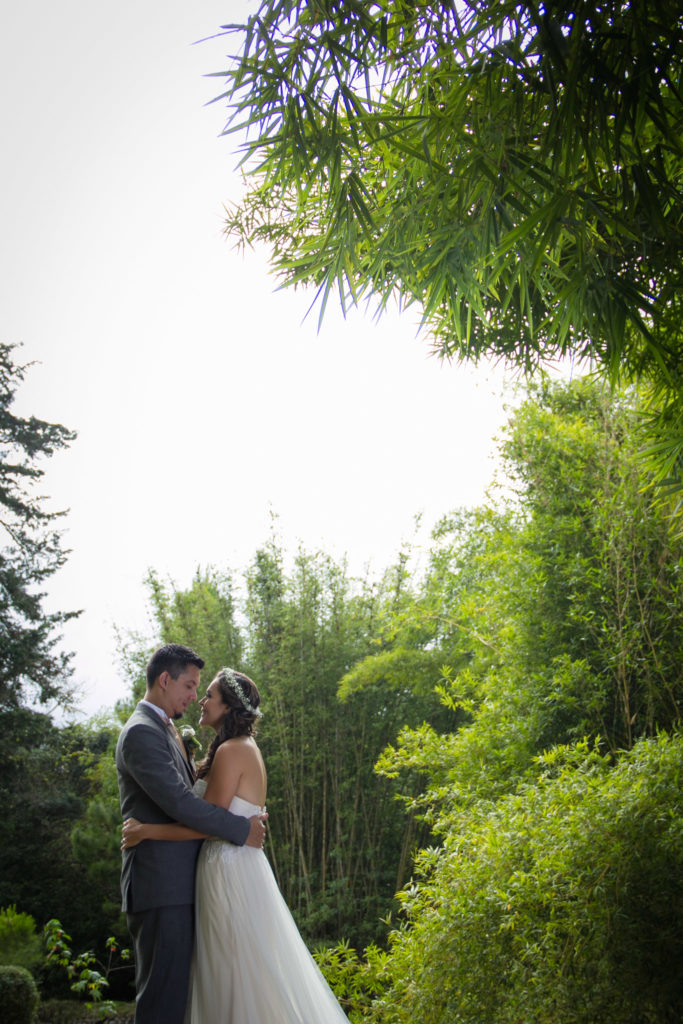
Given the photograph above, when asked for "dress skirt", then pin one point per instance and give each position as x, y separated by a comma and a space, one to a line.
250, 964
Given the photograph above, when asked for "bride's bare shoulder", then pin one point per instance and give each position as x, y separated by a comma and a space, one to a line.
239, 746
239, 759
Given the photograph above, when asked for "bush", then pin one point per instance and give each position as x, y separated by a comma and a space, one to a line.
560, 902
19, 944
18, 995
58, 1011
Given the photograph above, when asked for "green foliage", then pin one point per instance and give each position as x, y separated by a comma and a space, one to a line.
18, 995
557, 800
566, 599
356, 982
515, 170
88, 977
95, 839
592, 621
536, 902
31, 551
69, 1011
202, 616
553, 616
19, 944
47, 779
206, 611
339, 844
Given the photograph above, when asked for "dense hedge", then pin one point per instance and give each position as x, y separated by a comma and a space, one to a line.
18, 995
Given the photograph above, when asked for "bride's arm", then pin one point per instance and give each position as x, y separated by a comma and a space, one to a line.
226, 772
135, 831
227, 769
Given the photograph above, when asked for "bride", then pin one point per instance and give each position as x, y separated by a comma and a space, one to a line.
250, 965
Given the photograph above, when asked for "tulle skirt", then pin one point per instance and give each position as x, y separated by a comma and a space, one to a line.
250, 964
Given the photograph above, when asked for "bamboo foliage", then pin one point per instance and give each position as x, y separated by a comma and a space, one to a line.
338, 841
556, 803
514, 169
338, 826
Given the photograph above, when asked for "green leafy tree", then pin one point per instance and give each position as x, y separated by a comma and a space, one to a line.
30, 552
596, 623
513, 168
339, 843
558, 855
563, 601
44, 788
342, 843
19, 943
559, 902
203, 616
96, 841
206, 611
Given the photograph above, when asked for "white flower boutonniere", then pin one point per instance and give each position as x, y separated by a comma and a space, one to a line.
190, 741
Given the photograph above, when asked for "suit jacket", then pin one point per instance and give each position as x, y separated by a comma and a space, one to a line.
155, 787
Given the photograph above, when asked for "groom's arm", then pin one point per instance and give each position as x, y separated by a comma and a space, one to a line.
146, 756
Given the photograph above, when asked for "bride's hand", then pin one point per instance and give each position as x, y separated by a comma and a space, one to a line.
131, 833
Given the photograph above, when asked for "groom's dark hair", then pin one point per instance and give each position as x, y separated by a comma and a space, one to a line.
171, 658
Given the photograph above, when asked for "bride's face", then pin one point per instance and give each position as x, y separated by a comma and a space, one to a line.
213, 708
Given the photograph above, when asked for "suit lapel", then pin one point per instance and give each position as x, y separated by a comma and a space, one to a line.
180, 761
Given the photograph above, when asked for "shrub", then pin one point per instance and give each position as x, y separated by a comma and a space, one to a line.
61, 1011
18, 995
19, 944
65, 1011
82, 970
562, 902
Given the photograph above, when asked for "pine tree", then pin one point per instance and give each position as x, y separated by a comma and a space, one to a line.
30, 551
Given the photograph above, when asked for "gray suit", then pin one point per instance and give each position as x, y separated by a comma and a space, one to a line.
157, 877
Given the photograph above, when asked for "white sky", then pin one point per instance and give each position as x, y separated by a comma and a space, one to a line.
201, 398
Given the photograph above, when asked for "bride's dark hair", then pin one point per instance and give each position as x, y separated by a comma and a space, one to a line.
236, 691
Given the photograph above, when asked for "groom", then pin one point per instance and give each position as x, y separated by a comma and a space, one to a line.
157, 878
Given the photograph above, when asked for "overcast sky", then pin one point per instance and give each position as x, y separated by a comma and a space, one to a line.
202, 398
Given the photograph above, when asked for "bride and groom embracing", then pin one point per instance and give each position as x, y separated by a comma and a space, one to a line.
236, 957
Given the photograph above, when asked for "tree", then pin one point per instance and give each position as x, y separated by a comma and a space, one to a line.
595, 625
559, 902
339, 843
44, 787
514, 168
557, 802
96, 835
556, 614
30, 666
342, 845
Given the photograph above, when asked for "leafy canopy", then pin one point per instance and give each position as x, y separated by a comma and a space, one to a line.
555, 795
513, 168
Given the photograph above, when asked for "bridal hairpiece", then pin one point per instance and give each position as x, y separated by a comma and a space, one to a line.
236, 686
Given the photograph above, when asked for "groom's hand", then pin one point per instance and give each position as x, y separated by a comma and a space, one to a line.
257, 831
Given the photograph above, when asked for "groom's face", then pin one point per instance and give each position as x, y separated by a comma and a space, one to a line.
181, 692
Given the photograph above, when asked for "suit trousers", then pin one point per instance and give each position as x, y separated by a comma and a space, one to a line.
163, 939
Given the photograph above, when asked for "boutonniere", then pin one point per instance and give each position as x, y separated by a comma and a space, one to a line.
190, 742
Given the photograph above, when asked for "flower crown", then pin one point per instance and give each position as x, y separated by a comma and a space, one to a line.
237, 688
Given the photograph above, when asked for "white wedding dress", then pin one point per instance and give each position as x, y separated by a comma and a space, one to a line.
250, 964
